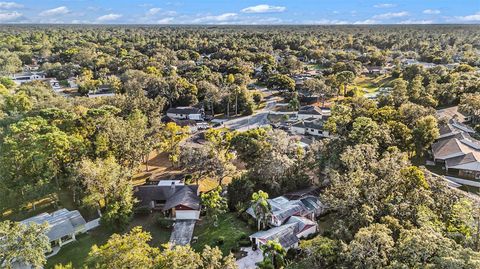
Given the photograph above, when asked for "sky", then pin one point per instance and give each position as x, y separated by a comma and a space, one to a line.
240, 11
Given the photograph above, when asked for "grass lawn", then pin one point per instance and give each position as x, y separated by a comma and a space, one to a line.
229, 226
369, 84
77, 252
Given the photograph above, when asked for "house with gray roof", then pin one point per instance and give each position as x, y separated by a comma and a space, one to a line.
457, 150
186, 113
309, 126
173, 197
63, 225
288, 235
290, 219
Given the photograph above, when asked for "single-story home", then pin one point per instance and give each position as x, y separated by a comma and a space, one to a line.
27, 77
288, 235
190, 113
315, 112
173, 197
282, 208
457, 151
310, 126
63, 224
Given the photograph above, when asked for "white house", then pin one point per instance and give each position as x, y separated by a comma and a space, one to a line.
27, 77
190, 113
310, 126
63, 225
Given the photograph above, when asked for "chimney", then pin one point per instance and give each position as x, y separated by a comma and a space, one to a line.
172, 187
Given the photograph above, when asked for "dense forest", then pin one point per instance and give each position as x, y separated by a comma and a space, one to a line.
384, 210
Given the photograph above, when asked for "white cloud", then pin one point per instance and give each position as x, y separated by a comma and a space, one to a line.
263, 9
8, 5
9, 16
368, 21
109, 17
216, 19
55, 11
473, 17
153, 11
385, 5
431, 11
166, 20
416, 22
326, 21
391, 15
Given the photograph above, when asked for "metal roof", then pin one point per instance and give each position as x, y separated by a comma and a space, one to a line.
61, 222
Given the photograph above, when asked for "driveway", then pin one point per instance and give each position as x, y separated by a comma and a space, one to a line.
249, 261
258, 119
182, 232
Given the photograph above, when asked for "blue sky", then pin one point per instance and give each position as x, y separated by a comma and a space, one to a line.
240, 11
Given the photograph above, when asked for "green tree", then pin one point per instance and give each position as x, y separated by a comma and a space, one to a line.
107, 185
273, 255
425, 133
261, 208
23, 243
130, 250
345, 78
170, 138
281, 82
214, 204
371, 247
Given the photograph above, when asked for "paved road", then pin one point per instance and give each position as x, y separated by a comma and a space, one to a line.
259, 117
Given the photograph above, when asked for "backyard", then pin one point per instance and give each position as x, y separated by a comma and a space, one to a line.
369, 85
230, 228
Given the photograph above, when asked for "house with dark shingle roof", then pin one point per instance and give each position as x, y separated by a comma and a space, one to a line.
457, 150
173, 197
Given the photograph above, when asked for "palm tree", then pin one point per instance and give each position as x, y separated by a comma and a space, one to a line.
273, 254
261, 208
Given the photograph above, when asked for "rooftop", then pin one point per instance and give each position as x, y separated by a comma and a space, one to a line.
61, 222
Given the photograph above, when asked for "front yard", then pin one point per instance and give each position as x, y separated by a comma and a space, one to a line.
230, 229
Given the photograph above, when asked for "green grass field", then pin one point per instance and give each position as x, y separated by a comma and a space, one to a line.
369, 85
229, 227
77, 252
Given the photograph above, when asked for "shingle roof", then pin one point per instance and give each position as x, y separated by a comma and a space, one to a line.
148, 193
443, 148
61, 222
184, 110
464, 159
310, 110
186, 197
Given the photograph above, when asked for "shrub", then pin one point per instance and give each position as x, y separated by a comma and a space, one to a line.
243, 236
165, 223
257, 97
244, 243
142, 210
220, 240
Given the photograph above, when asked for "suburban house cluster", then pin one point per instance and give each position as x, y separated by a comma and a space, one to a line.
292, 218
456, 150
